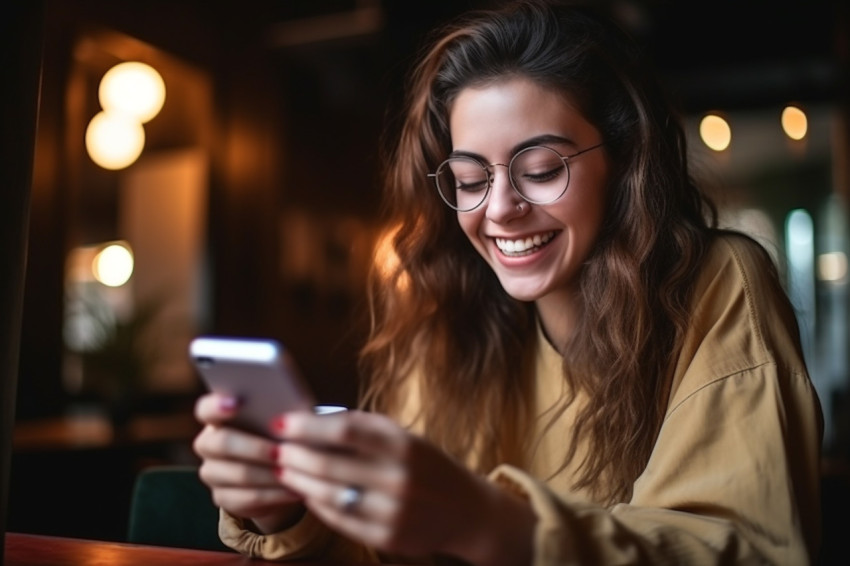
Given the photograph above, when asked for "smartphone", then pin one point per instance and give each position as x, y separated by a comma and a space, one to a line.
259, 372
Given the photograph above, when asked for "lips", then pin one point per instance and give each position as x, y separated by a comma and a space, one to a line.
524, 246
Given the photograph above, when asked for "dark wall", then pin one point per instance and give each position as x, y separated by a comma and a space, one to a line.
294, 127
20, 56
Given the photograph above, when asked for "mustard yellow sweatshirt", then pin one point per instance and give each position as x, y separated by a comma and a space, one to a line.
732, 479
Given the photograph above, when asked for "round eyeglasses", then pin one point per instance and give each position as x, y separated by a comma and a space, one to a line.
539, 174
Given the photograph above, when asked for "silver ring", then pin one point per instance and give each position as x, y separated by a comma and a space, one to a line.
520, 207
349, 498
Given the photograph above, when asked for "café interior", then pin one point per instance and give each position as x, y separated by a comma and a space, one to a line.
243, 200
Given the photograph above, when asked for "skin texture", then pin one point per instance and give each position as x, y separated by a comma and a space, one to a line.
489, 122
416, 500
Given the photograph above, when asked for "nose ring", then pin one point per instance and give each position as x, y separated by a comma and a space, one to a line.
520, 207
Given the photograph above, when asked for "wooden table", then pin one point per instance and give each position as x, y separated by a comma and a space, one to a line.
41, 550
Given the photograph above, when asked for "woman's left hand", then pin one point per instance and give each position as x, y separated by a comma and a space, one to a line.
410, 497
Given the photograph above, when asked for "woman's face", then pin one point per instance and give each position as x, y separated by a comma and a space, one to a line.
490, 122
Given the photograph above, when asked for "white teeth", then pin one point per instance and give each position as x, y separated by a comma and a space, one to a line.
520, 247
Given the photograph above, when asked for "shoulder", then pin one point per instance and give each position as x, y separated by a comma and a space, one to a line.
740, 282
741, 318
741, 259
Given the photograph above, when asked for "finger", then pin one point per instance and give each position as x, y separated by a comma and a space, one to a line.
252, 502
215, 408
219, 442
353, 431
341, 467
367, 523
328, 496
229, 473
320, 492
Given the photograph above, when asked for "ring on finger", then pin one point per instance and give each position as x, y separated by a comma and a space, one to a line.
349, 499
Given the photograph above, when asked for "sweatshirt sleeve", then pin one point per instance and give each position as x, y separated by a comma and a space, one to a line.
308, 538
734, 475
714, 492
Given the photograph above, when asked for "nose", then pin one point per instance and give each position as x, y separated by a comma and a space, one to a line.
503, 200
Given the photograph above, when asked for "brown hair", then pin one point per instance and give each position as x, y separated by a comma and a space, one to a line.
439, 309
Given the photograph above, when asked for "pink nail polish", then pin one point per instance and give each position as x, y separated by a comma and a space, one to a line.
278, 424
228, 403
274, 453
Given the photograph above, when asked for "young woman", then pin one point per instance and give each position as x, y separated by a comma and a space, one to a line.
568, 364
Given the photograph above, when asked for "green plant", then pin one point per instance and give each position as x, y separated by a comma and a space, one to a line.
118, 350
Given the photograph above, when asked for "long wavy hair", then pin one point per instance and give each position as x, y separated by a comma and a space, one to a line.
438, 309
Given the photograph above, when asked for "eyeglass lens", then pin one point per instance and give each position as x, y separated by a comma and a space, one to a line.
539, 174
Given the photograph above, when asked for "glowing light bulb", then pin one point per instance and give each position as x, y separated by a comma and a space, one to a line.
114, 141
132, 88
113, 265
794, 122
715, 132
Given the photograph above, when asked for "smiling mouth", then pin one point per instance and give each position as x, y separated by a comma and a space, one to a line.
524, 246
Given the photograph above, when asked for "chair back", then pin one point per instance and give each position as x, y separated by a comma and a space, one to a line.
170, 506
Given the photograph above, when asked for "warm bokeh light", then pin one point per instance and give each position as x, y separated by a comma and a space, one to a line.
794, 123
385, 256
832, 266
114, 141
132, 88
715, 132
386, 259
113, 265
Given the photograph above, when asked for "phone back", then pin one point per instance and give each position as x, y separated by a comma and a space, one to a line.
259, 372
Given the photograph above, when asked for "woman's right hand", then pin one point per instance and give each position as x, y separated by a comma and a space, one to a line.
240, 468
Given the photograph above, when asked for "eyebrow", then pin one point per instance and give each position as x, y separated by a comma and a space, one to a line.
545, 139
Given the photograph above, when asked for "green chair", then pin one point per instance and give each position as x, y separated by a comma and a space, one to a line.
170, 506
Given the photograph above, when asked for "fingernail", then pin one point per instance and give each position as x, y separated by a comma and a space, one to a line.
278, 472
274, 453
228, 403
278, 424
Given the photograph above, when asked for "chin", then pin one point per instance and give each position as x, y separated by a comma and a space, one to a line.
522, 292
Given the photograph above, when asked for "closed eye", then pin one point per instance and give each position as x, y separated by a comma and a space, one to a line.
543, 177
475, 187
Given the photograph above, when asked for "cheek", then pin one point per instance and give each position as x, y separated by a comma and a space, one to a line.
591, 212
582, 216
586, 206
469, 224
466, 225
593, 227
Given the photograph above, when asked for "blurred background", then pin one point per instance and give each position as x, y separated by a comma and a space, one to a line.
242, 199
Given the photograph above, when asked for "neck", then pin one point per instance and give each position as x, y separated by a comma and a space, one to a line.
557, 317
